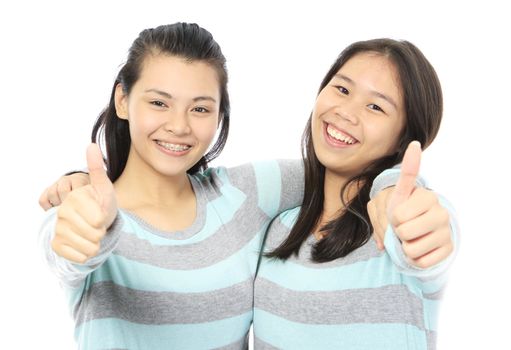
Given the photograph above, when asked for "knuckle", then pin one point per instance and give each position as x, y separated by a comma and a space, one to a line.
397, 217
63, 187
97, 222
61, 213
95, 250
98, 235
55, 245
406, 247
82, 179
423, 263
399, 233
409, 250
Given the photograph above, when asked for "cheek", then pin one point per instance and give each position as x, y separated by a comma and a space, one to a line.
316, 123
384, 138
205, 129
142, 126
141, 120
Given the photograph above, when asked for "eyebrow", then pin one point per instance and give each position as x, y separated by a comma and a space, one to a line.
169, 96
376, 93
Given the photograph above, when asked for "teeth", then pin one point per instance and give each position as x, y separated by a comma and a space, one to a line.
173, 147
338, 136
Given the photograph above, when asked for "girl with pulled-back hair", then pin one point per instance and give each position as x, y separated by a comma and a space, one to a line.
175, 268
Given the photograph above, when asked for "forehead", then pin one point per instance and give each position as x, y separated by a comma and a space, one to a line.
177, 75
374, 71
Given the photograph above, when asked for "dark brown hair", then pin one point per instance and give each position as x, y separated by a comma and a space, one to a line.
186, 40
423, 113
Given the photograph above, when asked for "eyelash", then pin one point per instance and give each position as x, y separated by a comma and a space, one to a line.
205, 110
378, 108
162, 105
158, 104
345, 91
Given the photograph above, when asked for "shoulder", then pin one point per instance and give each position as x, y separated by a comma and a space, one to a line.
288, 218
254, 174
280, 227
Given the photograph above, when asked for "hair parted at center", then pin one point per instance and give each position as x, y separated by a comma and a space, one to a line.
423, 104
186, 40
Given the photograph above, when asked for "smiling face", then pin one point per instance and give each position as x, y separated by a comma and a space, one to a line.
173, 114
358, 115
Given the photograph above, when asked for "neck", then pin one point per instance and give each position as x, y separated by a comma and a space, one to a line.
140, 186
332, 203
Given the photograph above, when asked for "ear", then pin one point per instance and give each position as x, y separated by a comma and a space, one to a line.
121, 102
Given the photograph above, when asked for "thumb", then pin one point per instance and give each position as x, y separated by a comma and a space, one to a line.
97, 174
407, 179
101, 183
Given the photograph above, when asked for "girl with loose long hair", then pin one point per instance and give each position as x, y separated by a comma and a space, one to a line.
322, 283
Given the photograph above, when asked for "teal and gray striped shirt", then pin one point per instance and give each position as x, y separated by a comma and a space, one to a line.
149, 289
193, 289
370, 299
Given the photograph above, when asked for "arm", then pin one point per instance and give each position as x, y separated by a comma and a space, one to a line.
56, 193
276, 185
71, 273
74, 234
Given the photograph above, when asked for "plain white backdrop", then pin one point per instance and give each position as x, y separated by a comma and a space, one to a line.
58, 61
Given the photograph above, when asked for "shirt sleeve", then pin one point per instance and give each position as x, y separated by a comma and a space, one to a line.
389, 178
392, 243
71, 274
276, 185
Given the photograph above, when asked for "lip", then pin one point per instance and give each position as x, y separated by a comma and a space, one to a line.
335, 143
170, 152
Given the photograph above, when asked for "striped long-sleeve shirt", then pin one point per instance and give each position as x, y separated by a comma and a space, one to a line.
193, 289
370, 299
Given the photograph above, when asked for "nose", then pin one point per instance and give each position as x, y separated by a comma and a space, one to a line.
349, 112
177, 123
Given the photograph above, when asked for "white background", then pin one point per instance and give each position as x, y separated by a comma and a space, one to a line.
58, 62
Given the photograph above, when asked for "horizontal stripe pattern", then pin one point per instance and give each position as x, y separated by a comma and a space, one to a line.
387, 304
361, 301
183, 290
112, 333
261, 345
196, 255
108, 300
274, 332
233, 270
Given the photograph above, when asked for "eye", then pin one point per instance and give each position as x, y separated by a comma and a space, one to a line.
376, 107
342, 90
200, 110
158, 103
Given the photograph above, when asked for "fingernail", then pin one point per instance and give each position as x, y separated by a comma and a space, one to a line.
415, 144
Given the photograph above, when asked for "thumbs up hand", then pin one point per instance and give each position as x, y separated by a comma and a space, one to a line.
419, 221
86, 213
